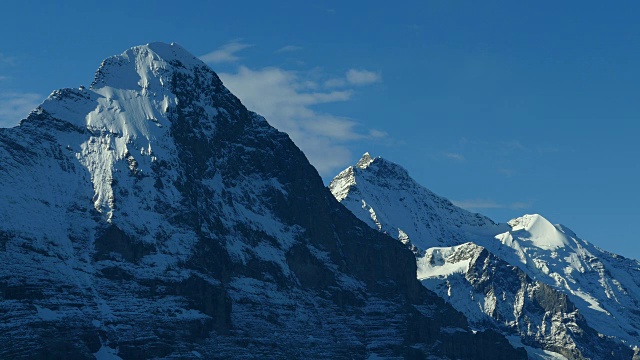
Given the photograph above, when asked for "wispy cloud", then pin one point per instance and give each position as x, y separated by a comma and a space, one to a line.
362, 77
335, 83
226, 53
289, 48
354, 77
454, 156
288, 100
478, 204
377, 133
16, 106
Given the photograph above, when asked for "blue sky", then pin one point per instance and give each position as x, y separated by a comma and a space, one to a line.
504, 107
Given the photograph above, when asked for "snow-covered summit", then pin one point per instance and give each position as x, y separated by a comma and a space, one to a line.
130, 112
382, 193
539, 232
144, 66
364, 161
604, 287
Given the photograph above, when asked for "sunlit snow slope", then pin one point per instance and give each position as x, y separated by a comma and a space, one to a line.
530, 277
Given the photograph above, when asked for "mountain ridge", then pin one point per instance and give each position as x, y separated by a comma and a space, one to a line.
153, 216
383, 195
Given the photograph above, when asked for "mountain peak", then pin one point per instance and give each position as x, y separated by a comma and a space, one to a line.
382, 194
365, 161
539, 231
383, 169
144, 66
138, 101
171, 52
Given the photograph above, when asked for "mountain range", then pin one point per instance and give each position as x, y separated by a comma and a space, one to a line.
537, 283
152, 215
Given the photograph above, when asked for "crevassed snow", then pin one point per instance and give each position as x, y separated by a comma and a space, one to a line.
435, 263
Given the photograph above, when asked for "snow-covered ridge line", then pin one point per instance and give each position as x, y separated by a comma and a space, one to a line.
604, 287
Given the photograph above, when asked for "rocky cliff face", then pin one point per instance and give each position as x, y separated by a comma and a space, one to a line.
494, 294
535, 282
153, 216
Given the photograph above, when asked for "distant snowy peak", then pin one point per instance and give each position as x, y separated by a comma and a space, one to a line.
382, 194
539, 232
604, 287
364, 161
377, 169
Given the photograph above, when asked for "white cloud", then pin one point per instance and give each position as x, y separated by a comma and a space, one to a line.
16, 106
377, 133
362, 77
334, 83
353, 77
287, 101
226, 53
454, 156
477, 204
289, 48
